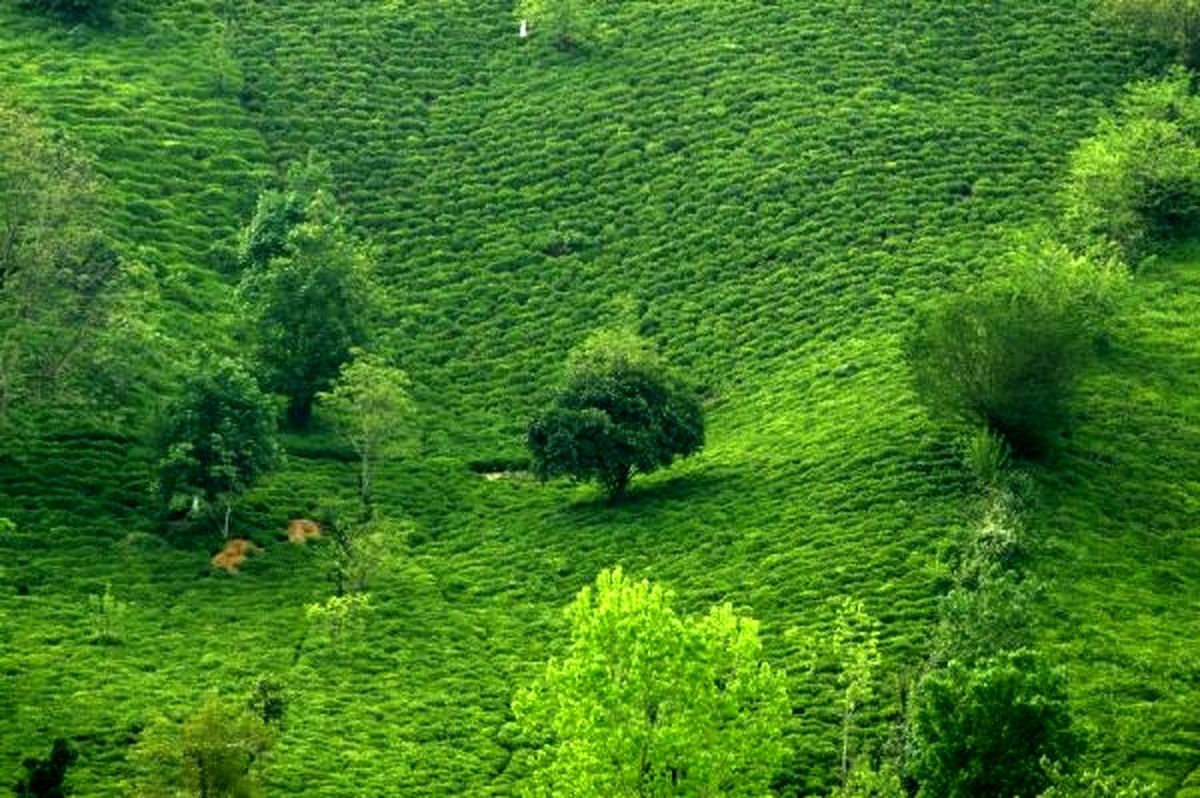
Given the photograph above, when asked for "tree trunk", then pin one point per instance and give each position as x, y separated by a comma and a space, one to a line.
299, 413
618, 483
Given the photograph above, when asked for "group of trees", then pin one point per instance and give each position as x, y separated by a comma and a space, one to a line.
308, 293
646, 702
1007, 353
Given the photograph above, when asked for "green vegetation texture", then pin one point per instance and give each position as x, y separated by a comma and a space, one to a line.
770, 189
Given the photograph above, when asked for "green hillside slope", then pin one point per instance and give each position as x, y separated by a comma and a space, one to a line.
772, 187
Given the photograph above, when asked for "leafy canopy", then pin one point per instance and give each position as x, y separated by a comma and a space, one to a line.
212, 754
309, 307
371, 408
58, 276
989, 730
1137, 181
646, 703
1008, 352
1174, 24
620, 411
218, 438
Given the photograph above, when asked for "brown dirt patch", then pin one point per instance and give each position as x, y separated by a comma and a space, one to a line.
230, 558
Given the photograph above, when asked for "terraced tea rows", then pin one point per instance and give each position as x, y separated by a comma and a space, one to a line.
769, 187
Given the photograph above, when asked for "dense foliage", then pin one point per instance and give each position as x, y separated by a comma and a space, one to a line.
310, 307
620, 411
1172, 23
76, 10
218, 438
648, 703
1008, 352
991, 730
211, 755
58, 275
1136, 183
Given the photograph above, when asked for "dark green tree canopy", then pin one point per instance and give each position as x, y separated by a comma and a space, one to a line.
1008, 352
218, 438
621, 411
988, 730
309, 307
98, 11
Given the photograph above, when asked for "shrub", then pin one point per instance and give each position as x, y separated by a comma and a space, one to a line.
987, 456
339, 615
1136, 182
212, 754
1172, 23
218, 439
1095, 784
567, 22
648, 703
269, 700
865, 781
988, 730
620, 411
360, 544
44, 777
1008, 352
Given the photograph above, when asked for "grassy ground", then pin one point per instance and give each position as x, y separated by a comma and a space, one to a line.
771, 189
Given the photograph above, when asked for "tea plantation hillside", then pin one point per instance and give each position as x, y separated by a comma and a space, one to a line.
767, 190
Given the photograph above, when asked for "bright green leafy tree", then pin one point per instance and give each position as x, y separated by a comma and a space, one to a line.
1008, 352
646, 703
218, 439
1136, 182
372, 410
621, 411
990, 730
213, 755
280, 211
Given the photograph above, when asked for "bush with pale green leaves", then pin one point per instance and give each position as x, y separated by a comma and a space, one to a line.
1136, 182
646, 702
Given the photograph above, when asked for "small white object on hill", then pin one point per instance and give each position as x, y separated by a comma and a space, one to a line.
524, 30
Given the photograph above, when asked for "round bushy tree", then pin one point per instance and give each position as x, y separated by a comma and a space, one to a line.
218, 439
648, 703
620, 411
991, 730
